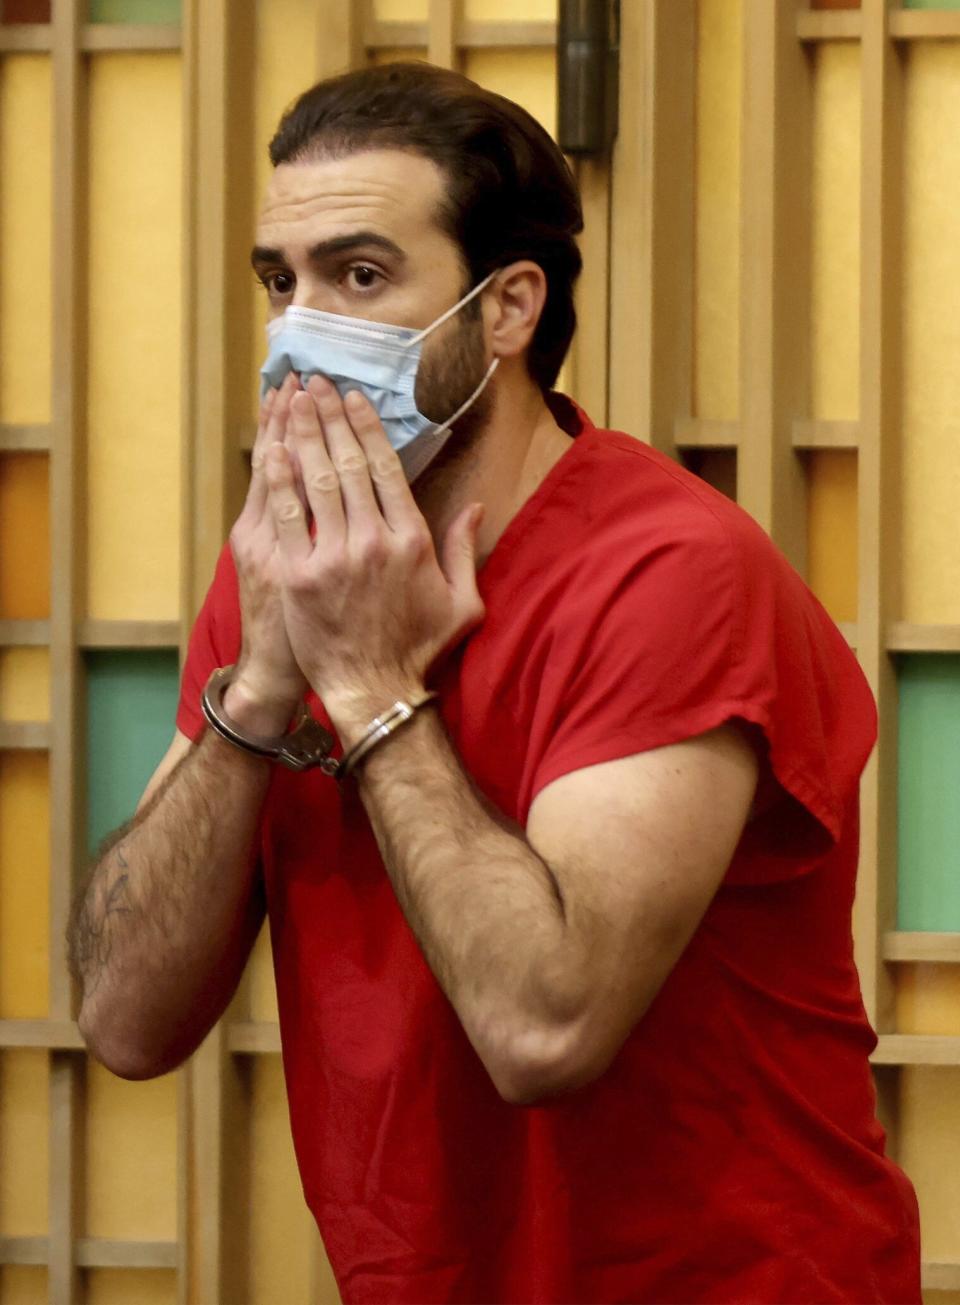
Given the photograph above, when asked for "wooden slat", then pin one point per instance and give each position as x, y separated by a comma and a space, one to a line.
878, 497
115, 38
651, 286
253, 1037
129, 634
52, 1035
904, 636
24, 634
25, 38
24, 1250
68, 563
489, 35
93, 1253
702, 433
775, 262
24, 736
26, 439
381, 34
936, 1276
829, 25
931, 948
107, 1253
843, 436
925, 25
340, 37
442, 43
916, 1049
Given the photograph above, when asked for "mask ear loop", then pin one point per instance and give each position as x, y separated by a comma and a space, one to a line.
451, 312
469, 403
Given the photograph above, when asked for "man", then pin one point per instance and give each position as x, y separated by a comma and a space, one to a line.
564, 963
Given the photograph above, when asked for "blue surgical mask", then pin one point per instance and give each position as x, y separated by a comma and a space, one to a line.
379, 360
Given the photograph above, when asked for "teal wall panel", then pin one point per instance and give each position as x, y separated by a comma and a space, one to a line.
134, 11
131, 710
929, 798
931, 4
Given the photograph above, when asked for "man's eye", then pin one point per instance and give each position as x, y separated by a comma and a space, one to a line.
279, 283
364, 277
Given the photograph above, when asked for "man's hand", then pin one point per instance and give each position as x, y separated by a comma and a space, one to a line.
367, 606
268, 680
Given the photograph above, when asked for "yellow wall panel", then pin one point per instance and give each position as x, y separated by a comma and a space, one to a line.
263, 987
24, 885
131, 1287
131, 1142
928, 1002
24, 684
24, 1127
510, 10
25, 136
929, 1150
134, 376
24, 536
527, 76
281, 1228
835, 271
832, 532
931, 292
400, 11
717, 221
23, 1285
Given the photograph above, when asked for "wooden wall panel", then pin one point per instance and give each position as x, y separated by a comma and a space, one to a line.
931, 334
24, 684
718, 203
835, 233
832, 531
24, 536
24, 885
24, 1111
25, 286
134, 329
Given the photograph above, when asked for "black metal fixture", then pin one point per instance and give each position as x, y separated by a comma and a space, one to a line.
588, 75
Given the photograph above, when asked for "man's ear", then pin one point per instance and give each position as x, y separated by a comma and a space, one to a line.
513, 307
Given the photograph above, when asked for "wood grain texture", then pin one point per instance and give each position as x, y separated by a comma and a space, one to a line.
775, 271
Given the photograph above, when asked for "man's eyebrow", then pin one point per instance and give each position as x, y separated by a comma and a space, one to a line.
335, 245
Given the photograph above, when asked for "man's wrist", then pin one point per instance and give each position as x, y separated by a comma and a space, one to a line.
352, 712
256, 711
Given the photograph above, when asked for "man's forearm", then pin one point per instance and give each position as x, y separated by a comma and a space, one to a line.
486, 909
159, 936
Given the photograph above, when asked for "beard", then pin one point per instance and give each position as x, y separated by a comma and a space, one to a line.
445, 382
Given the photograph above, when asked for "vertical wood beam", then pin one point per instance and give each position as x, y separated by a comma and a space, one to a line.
68, 562
775, 265
340, 37
879, 499
651, 288
443, 22
206, 489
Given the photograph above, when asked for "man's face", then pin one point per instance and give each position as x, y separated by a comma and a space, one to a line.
359, 236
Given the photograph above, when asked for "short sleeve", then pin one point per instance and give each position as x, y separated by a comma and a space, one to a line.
214, 641
713, 626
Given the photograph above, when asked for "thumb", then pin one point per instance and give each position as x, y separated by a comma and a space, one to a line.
460, 556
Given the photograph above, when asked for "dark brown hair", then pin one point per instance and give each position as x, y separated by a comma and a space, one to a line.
510, 194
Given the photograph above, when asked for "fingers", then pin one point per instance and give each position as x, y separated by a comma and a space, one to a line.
384, 469
273, 422
285, 506
330, 428
460, 562
318, 476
